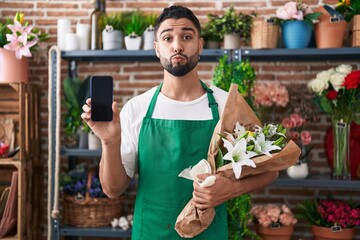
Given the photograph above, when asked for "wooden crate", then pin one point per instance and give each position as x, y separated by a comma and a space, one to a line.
355, 31
20, 102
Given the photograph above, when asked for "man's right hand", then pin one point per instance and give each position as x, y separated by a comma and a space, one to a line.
106, 131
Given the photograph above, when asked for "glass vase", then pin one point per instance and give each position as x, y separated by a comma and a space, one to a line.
341, 163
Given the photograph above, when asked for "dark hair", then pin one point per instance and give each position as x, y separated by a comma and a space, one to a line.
177, 12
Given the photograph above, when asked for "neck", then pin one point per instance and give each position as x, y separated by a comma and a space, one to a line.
186, 88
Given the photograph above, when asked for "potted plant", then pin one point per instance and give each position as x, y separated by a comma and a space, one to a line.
241, 73
234, 27
149, 33
273, 221
330, 218
294, 125
14, 46
348, 8
134, 26
76, 92
297, 23
238, 210
211, 34
112, 33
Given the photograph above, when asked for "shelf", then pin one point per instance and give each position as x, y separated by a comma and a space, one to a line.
212, 55
66, 230
323, 181
77, 152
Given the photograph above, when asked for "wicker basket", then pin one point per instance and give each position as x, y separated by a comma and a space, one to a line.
91, 212
264, 35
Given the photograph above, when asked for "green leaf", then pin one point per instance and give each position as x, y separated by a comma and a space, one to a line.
219, 161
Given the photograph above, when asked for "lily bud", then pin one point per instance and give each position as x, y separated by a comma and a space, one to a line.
19, 17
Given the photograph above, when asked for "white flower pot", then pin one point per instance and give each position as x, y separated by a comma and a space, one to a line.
149, 38
94, 142
232, 41
132, 43
297, 171
112, 39
83, 139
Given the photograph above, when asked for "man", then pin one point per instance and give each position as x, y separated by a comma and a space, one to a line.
164, 131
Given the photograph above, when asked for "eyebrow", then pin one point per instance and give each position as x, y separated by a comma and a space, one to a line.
184, 29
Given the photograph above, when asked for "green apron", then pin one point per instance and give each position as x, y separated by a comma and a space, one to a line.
166, 147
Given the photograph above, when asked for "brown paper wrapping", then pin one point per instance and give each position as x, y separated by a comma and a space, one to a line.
189, 223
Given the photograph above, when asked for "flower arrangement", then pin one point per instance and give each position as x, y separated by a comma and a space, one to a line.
330, 212
243, 144
294, 125
272, 215
74, 183
20, 37
293, 11
338, 92
348, 8
268, 94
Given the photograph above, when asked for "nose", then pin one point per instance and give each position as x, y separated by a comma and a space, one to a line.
178, 48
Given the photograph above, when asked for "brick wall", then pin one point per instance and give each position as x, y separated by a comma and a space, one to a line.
133, 78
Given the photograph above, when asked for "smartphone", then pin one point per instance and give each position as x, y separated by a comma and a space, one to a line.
101, 94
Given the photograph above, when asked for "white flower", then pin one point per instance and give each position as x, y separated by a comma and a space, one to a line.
337, 80
344, 68
238, 156
239, 129
318, 85
263, 146
124, 223
115, 222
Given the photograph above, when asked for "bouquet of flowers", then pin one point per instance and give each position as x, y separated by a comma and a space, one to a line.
248, 149
330, 213
272, 215
338, 92
20, 37
294, 125
296, 11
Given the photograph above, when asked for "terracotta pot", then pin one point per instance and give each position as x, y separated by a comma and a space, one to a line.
13, 69
280, 233
324, 233
329, 34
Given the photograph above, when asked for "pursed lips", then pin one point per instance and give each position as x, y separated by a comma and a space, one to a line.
178, 57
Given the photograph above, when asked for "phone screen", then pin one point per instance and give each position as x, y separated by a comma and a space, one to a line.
101, 93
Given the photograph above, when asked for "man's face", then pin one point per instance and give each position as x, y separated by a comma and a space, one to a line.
178, 46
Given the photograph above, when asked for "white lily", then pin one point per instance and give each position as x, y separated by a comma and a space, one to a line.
263, 146
239, 129
238, 156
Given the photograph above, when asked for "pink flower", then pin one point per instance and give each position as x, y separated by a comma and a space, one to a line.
269, 214
288, 11
306, 137
19, 40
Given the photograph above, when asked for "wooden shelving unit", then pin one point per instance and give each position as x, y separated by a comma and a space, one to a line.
20, 102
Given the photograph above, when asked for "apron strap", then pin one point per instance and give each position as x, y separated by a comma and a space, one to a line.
212, 102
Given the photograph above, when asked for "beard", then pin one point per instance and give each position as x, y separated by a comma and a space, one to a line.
180, 70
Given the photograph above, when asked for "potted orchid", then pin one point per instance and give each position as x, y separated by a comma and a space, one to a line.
297, 23
330, 218
17, 40
338, 94
273, 221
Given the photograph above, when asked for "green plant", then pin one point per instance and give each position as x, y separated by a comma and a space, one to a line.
210, 31
76, 92
348, 8
134, 24
232, 22
240, 73
238, 210
150, 19
115, 20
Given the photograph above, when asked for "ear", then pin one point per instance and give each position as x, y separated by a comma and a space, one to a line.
156, 47
201, 45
